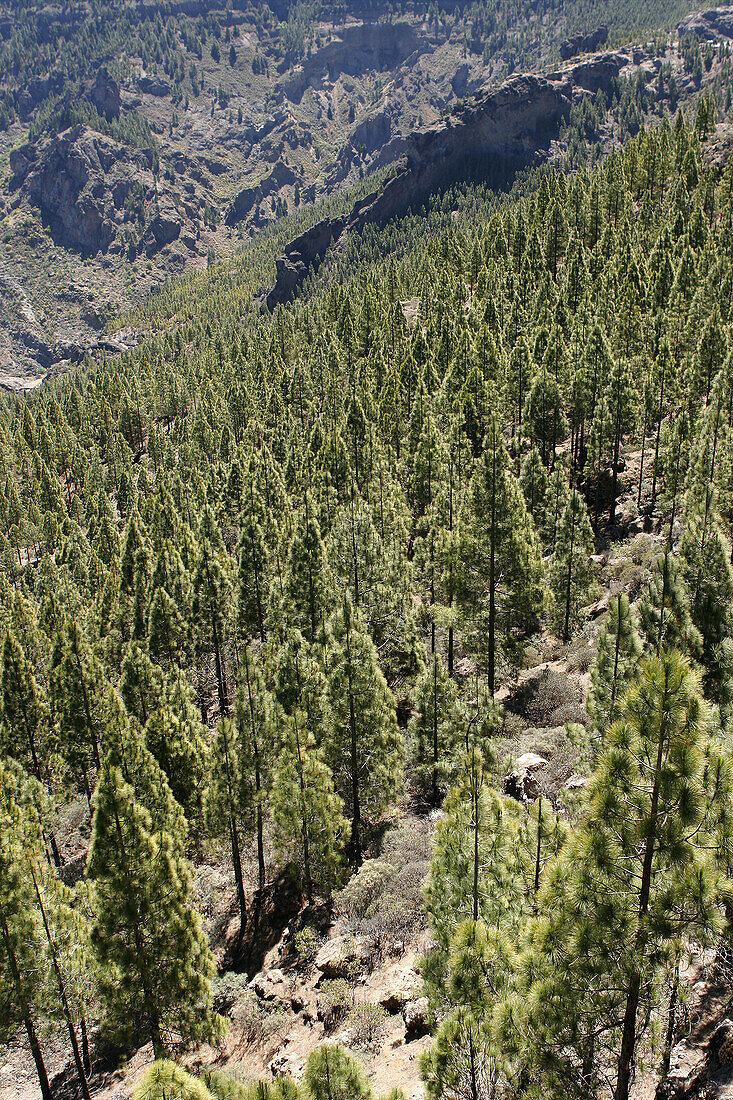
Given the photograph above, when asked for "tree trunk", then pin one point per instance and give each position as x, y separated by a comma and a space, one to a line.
258, 780
25, 1013
356, 807
656, 442
566, 632
671, 1017
220, 683
641, 464
307, 876
62, 994
616, 654
492, 584
239, 880
85, 1047
435, 731
628, 1036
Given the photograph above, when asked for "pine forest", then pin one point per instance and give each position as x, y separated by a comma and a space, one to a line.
404, 609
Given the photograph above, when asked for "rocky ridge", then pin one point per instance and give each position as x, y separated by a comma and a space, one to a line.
81, 182
710, 25
91, 221
516, 122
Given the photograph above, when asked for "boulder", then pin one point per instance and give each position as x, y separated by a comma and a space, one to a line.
721, 1043
531, 761
153, 85
575, 783
415, 1015
521, 783
271, 985
398, 988
340, 956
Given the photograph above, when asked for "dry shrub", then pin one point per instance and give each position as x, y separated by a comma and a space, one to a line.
258, 1021
367, 1024
335, 1002
383, 901
572, 712
538, 698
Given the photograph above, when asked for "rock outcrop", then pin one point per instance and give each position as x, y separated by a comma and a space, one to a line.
583, 43
282, 175
358, 48
711, 25
79, 180
513, 123
104, 94
341, 956
416, 1015
153, 85
701, 1063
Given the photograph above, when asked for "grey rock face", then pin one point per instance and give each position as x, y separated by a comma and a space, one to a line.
282, 175
711, 25
79, 180
516, 121
583, 43
104, 93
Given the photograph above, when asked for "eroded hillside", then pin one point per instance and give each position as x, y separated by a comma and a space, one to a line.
158, 138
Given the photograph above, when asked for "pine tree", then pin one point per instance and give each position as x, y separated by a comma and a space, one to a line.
211, 596
256, 741
365, 748
432, 731
305, 810
471, 875
308, 597
300, 683
331, 1073
164, 1080
22, 970
177, 739
141, 683
544, 416
66, 945
500, 582
600, 452
706, 557
25, 731
640, 871
615, 666
622, 401
558, 496
254, 568
571, 568
226, 805
77, 694
664, 610
535, 487
156, 961
462, 1062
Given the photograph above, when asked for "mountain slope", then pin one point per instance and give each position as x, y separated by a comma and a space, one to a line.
226, 119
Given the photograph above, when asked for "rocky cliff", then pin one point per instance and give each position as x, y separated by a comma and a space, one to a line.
513, 123
710, 25
80, 180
